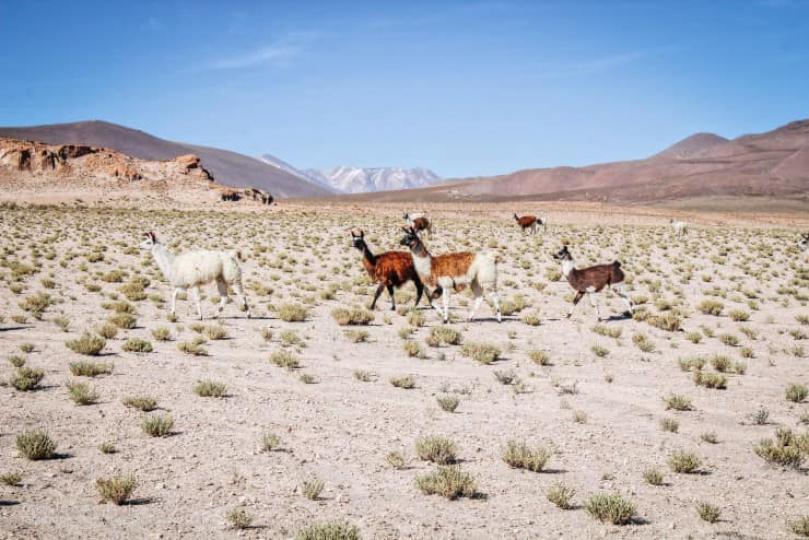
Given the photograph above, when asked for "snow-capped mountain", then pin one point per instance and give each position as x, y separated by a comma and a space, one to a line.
363, 180
279, 163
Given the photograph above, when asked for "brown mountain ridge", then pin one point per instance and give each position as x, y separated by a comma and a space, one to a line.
771, 164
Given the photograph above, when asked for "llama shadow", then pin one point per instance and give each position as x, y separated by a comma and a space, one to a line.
140, 501
622, 317
8, 503
11, 328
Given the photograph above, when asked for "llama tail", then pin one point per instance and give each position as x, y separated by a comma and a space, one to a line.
237, 253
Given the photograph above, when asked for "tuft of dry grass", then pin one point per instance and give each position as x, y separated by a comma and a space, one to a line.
141, 403
82, 393
485, 353
684, 462
88, 344
336, 530
239, 518
708, 512
209, 388
437, 449
561, 495
157, 425
35, 445
354, 316
448, 481
518, 455
117, 489
610, 508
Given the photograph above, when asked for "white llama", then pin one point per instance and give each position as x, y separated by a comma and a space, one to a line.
191, 269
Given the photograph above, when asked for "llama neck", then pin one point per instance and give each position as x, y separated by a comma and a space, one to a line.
366, 253
568, 266
422, 261
163, 258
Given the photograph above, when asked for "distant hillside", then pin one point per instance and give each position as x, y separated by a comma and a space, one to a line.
228, 168
774, 164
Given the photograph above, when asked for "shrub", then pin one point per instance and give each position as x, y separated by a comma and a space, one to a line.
653, 477
36, 445
440, 450
521, 456
87, 344
161, 333
710, 380
444, 335
691, 363
124, 321
89, 369
413, 349
610, 508
711, 307
448, 403
11, 479
738, 315
669, 321
269, 442
448, 481
670, 424
395, 459
311, 488
785, 450
485, 353
215, 332
540, 357
708, 512
239, 518
354, 316
796, 392
210, 388
137, 345
293, 313
684, 462
403, 381
116, 489
194, 348
157, 425
107, 331
82, 393
285, 359
336, 530
800, 526
25, 378
561, 495
678, 402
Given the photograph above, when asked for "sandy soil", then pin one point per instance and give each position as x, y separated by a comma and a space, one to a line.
340, 429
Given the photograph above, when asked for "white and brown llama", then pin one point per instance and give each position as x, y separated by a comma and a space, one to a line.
593, 280
419, 221
454, 271
192, 269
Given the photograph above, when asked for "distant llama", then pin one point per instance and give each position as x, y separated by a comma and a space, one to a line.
419, 221
803, 242
680, 228
529, 223
192, 269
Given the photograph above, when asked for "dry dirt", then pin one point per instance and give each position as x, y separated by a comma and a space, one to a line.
598, 403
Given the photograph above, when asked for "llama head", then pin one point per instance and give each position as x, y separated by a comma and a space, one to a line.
358, 238
151, 240
563, 255
515, 217
410, 239
803, 243
406, 216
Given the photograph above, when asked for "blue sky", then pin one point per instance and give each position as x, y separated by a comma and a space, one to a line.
465, 88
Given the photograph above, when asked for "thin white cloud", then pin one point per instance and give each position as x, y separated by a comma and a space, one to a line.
269, 54
594, 66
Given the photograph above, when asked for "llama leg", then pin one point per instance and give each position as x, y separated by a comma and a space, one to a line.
392, 299
174, 300
222, 287
594, 303
496, 300
478, 292
445, 301
579, 295
198, 299
419, 292
379, 290
239, 290
625, 297
438, 291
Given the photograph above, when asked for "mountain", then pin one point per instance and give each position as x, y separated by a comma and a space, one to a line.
774, 164
228, 168
365, 180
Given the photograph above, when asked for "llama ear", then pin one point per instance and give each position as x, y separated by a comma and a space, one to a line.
362, 233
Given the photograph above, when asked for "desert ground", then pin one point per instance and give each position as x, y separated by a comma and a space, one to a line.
691, 417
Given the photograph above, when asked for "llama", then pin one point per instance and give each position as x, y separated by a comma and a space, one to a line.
456, 271
419, 221
593, 280
529, 223
679, 227
390, 270
191, 269
803, 243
